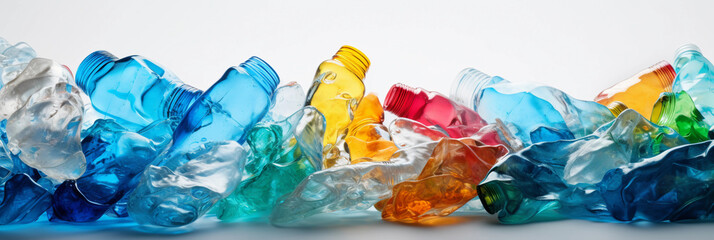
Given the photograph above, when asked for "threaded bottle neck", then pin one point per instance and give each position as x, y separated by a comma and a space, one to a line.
491, 196
616, 108
466, 85
93, 67
262, 72
180, 100
680, 57
664, 108
353, 59
400, 99
665, 74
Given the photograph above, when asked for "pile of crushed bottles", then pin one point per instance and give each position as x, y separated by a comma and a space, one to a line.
126, 138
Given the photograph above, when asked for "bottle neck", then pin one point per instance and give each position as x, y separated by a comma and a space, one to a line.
180, 100
353, 59
467, 85
402, 100
93, 67
616, 108
262, 72
664, 109
492, 197
664, 72
684, 54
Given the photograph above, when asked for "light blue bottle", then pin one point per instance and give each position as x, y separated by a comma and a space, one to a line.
534, 113
205, 162
230, 108
695, 75
133, 90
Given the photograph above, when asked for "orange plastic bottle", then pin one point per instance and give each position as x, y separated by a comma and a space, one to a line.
641, 91
447, 182
367, 139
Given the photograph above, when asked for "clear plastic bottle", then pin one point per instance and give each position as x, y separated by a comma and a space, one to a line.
695, 75
528, 108
133, 90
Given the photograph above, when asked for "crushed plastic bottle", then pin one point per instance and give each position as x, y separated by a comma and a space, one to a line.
447, 182
527, 107
554, 180
116, 157
13, 59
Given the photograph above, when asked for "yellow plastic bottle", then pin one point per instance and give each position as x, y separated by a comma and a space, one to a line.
641, 91
367, 139
336, 92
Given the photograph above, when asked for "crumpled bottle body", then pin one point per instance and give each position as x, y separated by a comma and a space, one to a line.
206, 160
528, 108
284, 149
116, 157
367, 138
13, 59
43, 114
350, 187
559, 179
447, 182
182, 186
673, 186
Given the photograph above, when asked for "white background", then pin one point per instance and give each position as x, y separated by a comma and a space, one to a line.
581, 47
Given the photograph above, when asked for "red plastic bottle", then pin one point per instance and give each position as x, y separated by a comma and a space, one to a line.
433, 109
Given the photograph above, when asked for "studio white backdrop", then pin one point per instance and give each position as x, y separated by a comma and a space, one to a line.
581, 47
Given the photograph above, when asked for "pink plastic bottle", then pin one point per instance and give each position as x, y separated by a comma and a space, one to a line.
434, 109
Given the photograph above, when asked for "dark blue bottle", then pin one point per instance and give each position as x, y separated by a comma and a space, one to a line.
553, 180
677, 185
133, 90
115, 159
24, 200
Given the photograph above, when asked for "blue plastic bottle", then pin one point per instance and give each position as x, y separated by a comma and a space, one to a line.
229, 108
133, 90
560, 179
535, 113
673, 186
695, 75
115, 159
23, 200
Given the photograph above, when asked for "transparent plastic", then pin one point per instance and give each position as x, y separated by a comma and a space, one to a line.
527, 107
133, 90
